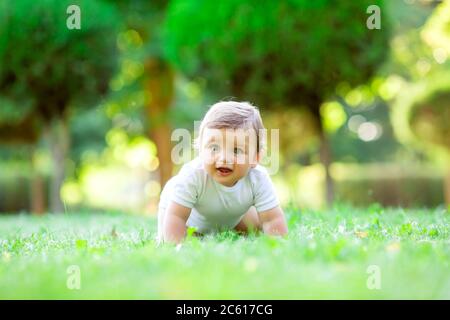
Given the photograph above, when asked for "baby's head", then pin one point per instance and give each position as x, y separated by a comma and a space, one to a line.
229, 140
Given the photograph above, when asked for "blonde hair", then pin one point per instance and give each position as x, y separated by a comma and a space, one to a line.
233, 115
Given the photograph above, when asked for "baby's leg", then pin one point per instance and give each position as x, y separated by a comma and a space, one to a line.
249, 222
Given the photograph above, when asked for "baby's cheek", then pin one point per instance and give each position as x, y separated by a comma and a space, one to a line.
242, 159
242, 169
208, 160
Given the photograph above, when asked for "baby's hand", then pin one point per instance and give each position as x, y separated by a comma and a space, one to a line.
274, 222
175, 222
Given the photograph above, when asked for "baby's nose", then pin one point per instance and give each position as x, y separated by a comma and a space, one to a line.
225, 157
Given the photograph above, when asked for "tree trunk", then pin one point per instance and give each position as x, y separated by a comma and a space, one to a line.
325, 153
37, 185
325, 158
58, 135
161, 137
159, 82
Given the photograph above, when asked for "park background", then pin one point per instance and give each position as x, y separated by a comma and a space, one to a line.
86, 114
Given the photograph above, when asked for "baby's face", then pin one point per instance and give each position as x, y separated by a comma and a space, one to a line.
228, 154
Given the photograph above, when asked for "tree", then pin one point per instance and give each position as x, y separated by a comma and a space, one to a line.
277, 54
46, 69
421, 112
421, 119
142, 44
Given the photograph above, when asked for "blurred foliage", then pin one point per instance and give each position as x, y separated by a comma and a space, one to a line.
297, 131
44, 66
275, 52
421, 113
143, 20
88, 129
366, 136
386, 183
436, 32
430, 118
121, 175
139, 42
429, 115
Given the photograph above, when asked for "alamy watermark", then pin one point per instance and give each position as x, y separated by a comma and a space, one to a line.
374, 279
74, 20
73, 277
374, 20
238, 146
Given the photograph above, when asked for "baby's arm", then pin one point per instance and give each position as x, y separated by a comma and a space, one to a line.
175, 218
274, 222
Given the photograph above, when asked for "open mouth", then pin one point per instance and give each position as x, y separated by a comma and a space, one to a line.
224, 171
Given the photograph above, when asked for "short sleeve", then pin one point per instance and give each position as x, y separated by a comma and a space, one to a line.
265, 197
186, 189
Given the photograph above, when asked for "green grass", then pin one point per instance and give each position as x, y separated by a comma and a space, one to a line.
325, 256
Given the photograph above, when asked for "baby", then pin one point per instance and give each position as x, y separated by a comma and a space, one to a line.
224, 187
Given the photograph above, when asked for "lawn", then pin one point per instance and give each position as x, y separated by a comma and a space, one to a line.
336, 254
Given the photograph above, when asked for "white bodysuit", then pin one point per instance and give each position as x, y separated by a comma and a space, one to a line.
214, 206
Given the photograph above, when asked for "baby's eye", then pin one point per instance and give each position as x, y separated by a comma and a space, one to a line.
214, 147
238, 151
